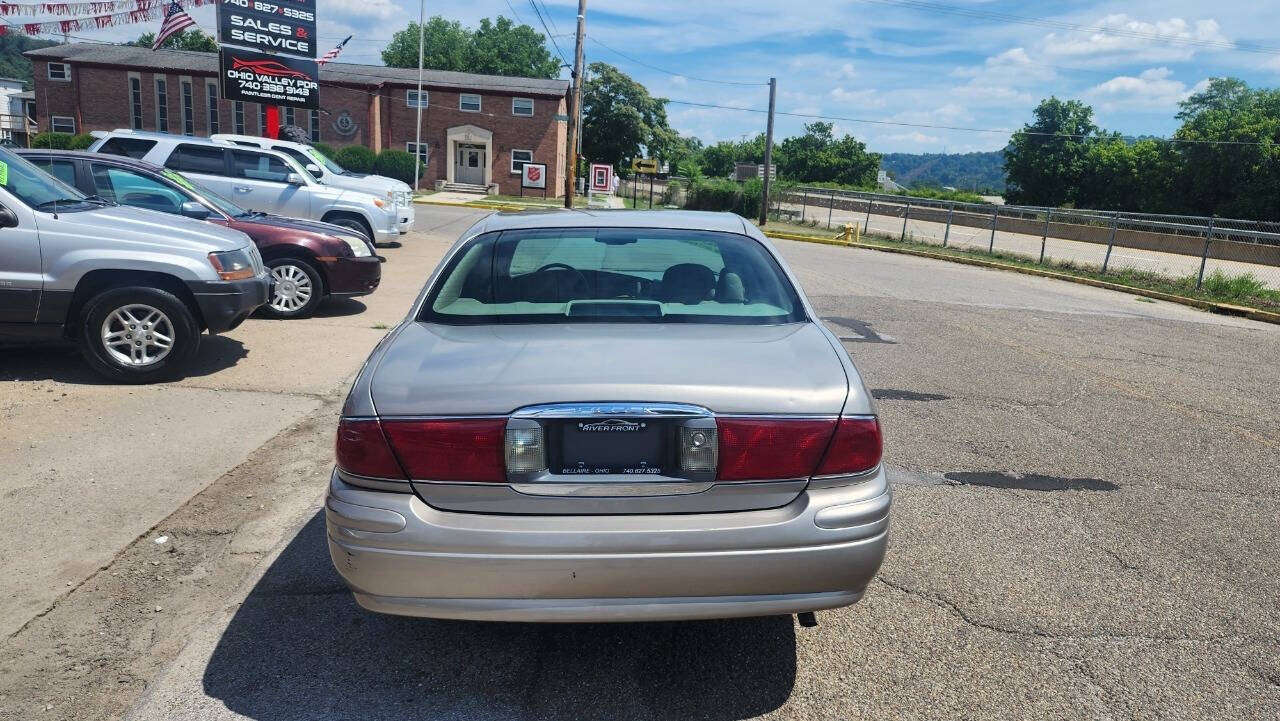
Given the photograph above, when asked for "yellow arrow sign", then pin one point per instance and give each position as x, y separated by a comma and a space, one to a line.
644, 165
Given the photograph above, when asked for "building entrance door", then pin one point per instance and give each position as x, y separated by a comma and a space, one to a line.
469, 165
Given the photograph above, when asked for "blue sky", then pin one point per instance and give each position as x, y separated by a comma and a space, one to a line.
863, 59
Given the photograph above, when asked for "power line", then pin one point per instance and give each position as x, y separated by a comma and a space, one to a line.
621, 54
1002, 131
550, 37
1076, 27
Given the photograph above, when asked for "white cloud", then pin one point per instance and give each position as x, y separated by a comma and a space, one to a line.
679, 81
1155, 89
914, 138
992, 95
1129, 40
844, 72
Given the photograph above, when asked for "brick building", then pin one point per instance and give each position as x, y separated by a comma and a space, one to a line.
476, 129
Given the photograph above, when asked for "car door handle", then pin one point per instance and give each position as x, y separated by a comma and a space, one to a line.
243, 189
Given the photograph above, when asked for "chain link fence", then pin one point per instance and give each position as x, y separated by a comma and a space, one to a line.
1177, 246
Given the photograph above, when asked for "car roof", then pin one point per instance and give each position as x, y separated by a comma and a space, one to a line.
593, 218
86, 155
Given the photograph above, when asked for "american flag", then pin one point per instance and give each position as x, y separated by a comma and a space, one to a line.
175, 21
333, 54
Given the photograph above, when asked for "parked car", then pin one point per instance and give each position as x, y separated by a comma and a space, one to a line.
309, 260
608, 417
257, 179
133, 287
327, 171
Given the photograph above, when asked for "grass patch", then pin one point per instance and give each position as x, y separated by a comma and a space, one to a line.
1219, 287
1143, 299
379, 326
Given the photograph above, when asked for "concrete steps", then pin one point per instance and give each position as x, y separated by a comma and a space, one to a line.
465, 188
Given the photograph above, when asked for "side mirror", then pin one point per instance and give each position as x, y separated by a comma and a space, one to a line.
315, 170
8, 219
192, 209
294, 179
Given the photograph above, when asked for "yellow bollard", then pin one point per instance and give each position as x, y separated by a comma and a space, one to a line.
857, 233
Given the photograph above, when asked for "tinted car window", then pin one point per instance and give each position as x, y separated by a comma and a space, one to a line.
131, 147
33, 186
302, 159
614, 275
256, 166
64, 170
197, 159
131, 188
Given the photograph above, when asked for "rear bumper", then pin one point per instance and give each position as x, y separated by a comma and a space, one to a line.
401, 556
225, 304
354, 276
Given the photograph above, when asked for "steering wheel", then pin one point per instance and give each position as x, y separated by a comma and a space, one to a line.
580, 286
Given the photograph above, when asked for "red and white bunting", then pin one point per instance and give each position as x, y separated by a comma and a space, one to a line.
144, 11
99, 7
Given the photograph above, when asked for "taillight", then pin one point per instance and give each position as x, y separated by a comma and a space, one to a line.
450, 450
362, 449
856, 447
754, 449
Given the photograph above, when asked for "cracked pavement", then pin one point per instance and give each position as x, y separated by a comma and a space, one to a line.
1084, 527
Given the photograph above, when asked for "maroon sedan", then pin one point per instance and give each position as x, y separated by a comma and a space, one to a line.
309, 260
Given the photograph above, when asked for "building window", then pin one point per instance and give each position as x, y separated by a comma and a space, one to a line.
262, 120
162, 105
237, 117
135, 102
414, 99
422, 151
214, 121
470, 102
518, 159
289, 117
59, 71
522, 107
63, 124
315, 126
188, 111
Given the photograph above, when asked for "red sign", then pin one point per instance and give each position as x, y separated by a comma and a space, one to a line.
533, 175
602, 177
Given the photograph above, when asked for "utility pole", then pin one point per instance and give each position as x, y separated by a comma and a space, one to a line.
571, 168
417, 139
768, 154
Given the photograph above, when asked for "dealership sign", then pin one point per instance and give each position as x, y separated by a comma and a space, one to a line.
267, 52
268, 79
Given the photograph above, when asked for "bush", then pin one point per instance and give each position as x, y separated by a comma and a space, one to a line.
356, 158
722, 195
325, 150
56, 141
395, 164
80, 142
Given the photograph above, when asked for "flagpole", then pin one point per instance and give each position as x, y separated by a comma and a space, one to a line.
417, 146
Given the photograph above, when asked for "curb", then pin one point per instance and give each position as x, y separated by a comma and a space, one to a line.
482, 206
1265, 316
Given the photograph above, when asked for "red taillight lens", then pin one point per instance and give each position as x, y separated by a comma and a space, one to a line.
759, 449
855, 448
450, 450
362, 449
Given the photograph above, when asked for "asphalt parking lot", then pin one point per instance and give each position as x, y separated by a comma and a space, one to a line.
1085, 526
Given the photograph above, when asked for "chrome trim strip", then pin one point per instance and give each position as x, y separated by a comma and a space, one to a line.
604, 490
604, 409
375, 484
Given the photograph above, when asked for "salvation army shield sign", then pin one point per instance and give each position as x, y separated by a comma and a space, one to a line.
534, 175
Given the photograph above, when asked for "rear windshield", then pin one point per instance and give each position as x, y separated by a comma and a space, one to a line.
612, 275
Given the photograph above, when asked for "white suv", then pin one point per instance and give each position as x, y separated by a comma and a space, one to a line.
263, 180
328, 172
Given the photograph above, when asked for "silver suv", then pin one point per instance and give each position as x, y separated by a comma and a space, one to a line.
328, 172
133, 287
258, 179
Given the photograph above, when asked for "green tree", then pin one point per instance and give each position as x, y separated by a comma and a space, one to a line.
186, 40
1045, 162
620, 120
495, 48
1229, 160
1122, 175
818, 156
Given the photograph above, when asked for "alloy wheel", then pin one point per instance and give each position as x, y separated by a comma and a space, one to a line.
293, 289
137, 335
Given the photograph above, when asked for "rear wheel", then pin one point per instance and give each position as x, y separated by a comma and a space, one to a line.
297, 291
138, 335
